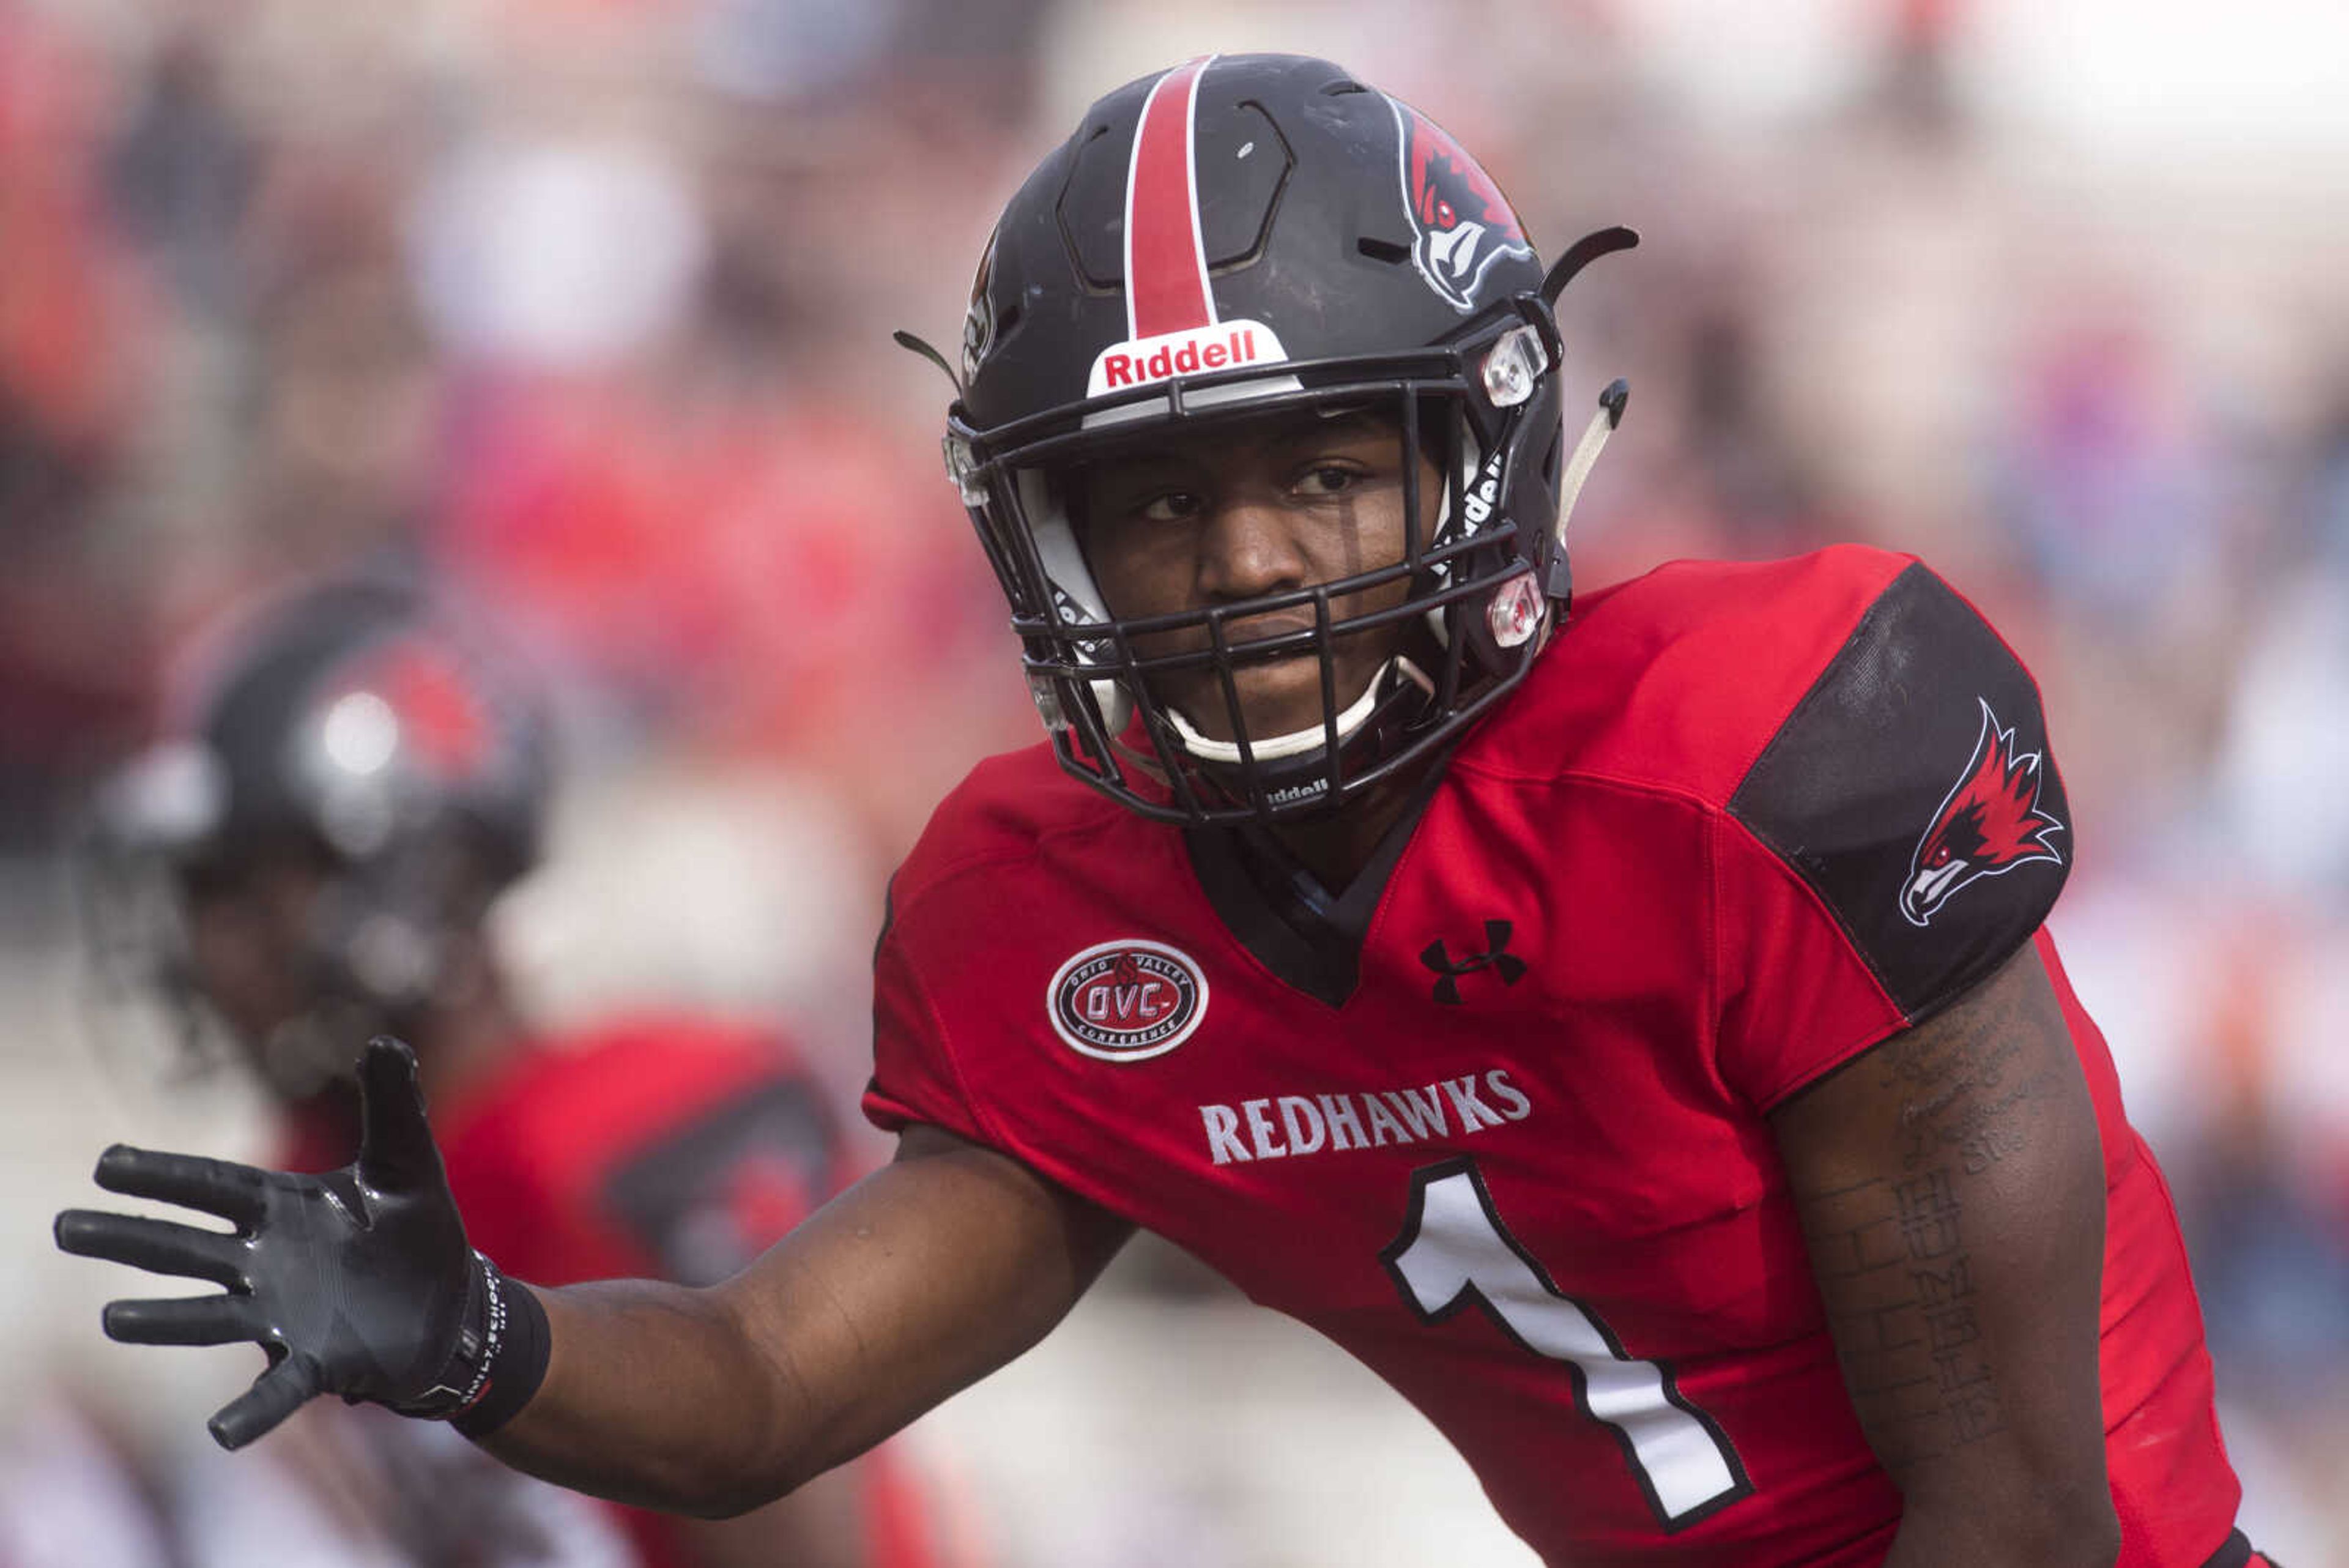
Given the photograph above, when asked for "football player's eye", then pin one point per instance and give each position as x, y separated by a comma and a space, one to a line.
1330, 479
1168, 506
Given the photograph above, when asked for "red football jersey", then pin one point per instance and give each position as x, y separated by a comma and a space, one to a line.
661, 1146
1740, 823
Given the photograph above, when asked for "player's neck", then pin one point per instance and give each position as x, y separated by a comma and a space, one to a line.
1336, 848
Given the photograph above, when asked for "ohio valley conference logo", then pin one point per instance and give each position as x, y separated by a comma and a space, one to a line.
1127, 1001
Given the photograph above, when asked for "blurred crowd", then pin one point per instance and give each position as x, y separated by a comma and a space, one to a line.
579, 311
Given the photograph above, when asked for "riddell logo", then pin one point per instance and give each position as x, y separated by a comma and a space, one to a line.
1225, 346
1478, 504
1989, 824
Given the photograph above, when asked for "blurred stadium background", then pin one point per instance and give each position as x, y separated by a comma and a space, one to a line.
581, 308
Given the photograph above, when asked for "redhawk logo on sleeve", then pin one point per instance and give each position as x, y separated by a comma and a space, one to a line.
1127, 1001
1989, 824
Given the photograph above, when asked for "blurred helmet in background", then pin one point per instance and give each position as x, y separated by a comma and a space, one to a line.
306, 859
1237, 237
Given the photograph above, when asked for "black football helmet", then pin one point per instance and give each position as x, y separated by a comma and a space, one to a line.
1241, 236
357, 726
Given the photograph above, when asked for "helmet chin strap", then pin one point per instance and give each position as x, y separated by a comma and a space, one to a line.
1602, 424
1585, 451
1298, 743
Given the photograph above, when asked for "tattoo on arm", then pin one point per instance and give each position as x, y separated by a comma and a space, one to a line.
1895, 1256
1895, 1253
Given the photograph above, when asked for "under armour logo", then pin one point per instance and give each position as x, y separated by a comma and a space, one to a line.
1495, 956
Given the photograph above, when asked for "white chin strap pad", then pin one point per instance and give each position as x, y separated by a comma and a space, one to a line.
1297, 743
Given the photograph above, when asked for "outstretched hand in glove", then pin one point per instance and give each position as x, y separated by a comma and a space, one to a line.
358, 1282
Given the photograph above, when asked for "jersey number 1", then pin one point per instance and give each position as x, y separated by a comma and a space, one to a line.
1454, 1250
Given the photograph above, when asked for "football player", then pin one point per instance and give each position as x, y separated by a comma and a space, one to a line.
313, 861
1623, 1021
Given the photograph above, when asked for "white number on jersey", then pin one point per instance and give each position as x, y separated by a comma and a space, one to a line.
1454, 1250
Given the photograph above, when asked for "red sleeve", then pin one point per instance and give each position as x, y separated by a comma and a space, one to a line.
915, 1076
1796, 1000
940, 924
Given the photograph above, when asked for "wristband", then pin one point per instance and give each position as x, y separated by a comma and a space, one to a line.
513, 1360
499, 1360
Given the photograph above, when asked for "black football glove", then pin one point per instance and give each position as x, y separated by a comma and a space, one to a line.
358, 1282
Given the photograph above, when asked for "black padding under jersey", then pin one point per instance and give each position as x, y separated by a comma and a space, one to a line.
1913, 789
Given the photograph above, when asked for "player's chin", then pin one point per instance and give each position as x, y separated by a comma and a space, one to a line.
1277, 697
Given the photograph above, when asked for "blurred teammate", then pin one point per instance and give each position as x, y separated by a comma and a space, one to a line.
1631, 1034
314, 861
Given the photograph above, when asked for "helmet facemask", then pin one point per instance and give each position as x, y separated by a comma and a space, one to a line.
1463, 604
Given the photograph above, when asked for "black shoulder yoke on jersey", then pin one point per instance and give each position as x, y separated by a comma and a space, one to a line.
1912, 788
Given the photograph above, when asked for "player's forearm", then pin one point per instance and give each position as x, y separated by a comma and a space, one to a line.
654, 1396
922, 1277
1952, 1194
2048, 1528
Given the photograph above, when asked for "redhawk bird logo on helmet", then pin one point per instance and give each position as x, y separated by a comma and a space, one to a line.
1462, 222
443, 724
1989, 824
979, 321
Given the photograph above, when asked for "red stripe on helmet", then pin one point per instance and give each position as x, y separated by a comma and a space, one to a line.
1166, 256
